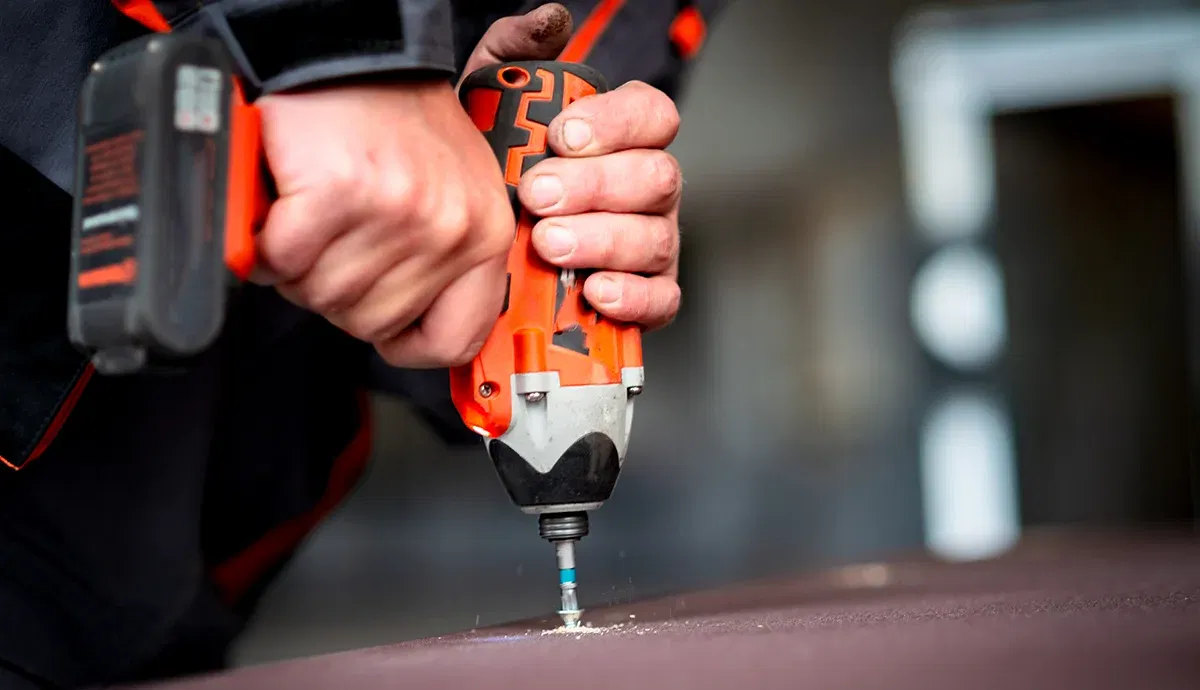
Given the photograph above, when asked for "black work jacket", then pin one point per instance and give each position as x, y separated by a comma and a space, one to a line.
141, 517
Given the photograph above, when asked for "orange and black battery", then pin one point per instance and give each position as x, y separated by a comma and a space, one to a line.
552, 390
168, 191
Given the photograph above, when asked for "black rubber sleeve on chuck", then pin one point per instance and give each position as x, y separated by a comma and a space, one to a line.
585, 473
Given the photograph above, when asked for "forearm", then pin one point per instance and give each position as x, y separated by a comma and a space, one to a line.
287, 44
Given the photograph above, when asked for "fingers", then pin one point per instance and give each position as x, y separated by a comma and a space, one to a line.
391, 303
344, 271
610, 201
650, 302
614, 241
538, 35
297, 230
637, 181
456, 325
634, 116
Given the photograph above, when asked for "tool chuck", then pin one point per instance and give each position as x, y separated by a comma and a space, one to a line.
563, 530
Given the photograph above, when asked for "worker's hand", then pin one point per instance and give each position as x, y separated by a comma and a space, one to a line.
392, 220
611, 201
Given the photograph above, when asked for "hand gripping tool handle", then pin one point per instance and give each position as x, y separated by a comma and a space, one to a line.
552, 390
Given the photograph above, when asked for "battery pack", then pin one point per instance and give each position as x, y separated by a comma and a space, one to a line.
148, 277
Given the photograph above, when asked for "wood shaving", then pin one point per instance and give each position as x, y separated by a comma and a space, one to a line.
582, 630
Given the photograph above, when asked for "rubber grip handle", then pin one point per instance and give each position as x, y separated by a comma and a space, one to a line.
513, 104
546, 324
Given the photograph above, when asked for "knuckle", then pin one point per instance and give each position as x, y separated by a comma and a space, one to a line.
674, 298
664, 244
660, 108
450, 226
663, 175
631, 126
602, 239
606, 247
397, 195
666, 112
668, 309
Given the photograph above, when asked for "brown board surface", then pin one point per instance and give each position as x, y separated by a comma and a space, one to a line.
1058, 613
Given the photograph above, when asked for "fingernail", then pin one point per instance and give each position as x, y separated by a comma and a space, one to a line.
607, 291
577, 134
560, 242
546, 191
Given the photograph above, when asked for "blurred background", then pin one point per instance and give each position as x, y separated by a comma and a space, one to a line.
937, 268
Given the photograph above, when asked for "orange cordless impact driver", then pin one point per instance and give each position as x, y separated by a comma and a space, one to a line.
552, 390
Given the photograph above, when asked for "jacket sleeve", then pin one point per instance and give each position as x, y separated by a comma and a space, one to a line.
285, 44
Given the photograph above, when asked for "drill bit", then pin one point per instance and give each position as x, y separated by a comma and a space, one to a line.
570, 611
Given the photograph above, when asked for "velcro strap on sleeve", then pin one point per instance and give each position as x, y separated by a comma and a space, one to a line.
282, 36
284, 44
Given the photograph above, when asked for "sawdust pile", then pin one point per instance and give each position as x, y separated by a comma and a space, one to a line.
581, 630
584, 629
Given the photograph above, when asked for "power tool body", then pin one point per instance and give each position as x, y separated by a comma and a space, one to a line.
552, 390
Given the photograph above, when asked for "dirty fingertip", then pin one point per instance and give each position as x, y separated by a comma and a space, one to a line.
551, 25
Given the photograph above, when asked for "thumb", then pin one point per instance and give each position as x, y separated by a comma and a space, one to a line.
540, 34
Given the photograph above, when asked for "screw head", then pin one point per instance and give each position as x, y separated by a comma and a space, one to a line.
534, 397
486, 390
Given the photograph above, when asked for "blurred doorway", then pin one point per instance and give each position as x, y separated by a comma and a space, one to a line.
1090, 239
